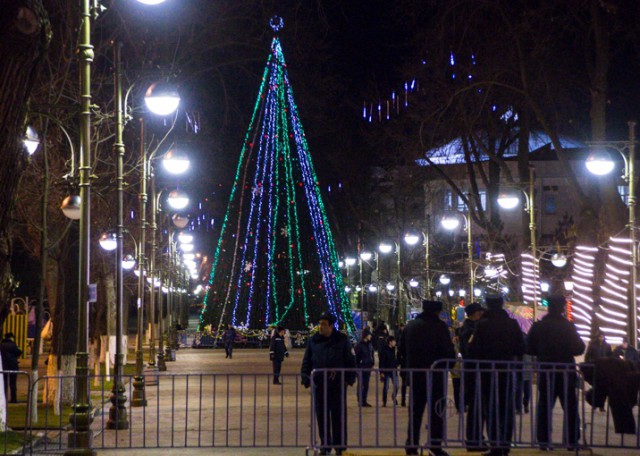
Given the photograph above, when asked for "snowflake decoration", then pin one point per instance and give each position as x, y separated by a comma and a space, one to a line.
299, 339
248, 266
284, 232
263, 335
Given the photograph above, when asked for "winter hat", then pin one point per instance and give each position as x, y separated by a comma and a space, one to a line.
557, 303
494, 302
331, 319
431, 306
473, 308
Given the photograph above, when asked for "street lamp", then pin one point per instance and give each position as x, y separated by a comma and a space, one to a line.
508, 200
412, 239
386, 248
162, 99
559, 260
451, 222
31, 140
444, 280
600, 163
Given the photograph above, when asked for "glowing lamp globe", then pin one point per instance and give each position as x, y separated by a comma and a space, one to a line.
350, 261
373, 288
186, 247
391, 287
70, 207
508, 200
411, 238
385, 248
445, 279
366, 256
599, 163
178, 199
438, 294
108, 241
128, 262
559, 260
176, 161
544, 287
462, 292
477, 292
449, 222
185, 237
162, 99
31, 140
413, 283
347, 289
568, 285
180, 221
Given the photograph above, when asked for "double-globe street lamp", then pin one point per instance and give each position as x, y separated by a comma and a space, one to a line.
451, 221
600, 163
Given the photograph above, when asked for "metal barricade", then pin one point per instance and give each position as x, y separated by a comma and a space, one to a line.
14, 433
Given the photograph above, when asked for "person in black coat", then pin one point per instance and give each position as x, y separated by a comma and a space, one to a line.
403, 377
364, 361
10, 354
626, 352
425, 340
497, 338
228, 338
277, 353
388, 363
330, 349
554, 339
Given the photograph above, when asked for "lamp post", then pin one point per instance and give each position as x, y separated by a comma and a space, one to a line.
509, 200
600, 163
413, 239
385, 248
366, 257
451, 223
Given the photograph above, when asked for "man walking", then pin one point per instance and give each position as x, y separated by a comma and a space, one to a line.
228, 338
330, 349
425, 340
277, 353
554, 339
364, 361
10, 354
497, 337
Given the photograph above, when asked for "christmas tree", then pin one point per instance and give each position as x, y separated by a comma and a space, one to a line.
275, 261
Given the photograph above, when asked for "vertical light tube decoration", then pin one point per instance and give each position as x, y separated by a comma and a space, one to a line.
530, 280
583, 276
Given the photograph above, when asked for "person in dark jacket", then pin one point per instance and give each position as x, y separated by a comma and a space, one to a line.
497, 338
425, 340
626, 352
388, 363
365, 361
403, 377
598, 348
277, 353
10, 354
228, 338
330, 349
554, 339
380, 336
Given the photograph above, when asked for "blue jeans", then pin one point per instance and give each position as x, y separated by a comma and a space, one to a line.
389, 377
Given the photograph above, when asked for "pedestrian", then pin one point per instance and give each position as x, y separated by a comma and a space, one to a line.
403, 376
228, 338
626, 351
10, 354
476, 417
364, 362
277, 353
523, 385
497, 340
598, 348
425, 340
388, 363
329, 349
380, 336
552, 340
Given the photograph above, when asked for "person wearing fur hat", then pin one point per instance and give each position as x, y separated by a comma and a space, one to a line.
497, 338
330, 349
554, 339
426, 340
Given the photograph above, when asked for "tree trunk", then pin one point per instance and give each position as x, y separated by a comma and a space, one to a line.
24, 37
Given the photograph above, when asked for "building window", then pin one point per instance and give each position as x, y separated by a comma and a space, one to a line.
460, 204
550, 204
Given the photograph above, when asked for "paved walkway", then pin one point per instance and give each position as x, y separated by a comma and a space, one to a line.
211, 405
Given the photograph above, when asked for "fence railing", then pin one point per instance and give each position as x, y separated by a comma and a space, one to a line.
487, 404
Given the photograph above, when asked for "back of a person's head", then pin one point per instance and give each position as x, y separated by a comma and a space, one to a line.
494, 302
556, 304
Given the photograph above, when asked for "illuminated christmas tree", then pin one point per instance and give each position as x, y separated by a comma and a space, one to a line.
275, 260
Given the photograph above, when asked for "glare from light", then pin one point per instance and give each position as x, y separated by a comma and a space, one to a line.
411, 238
188, 256
559, 260
445, 279
178, 199
477, 292
128, 262
391, 287
366, 256
385, 248
151, 2
544, 287
108, 241
186, 238
462, 292
451, 293
450, 223
347, 289
341, 264
413, 283
505, 290
438, 294
162, 99
490, 271
31, 140
508, 200
599, 163
71, 207
176, 161
186, 247
350, 261
568, 285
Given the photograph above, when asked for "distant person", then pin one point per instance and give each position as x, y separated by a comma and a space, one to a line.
626, 352
388, 363
10, 354
497, 340
277, 353
330, 349
403, 377
228, 339
554, 339
598, 348
380, 336
364, 361
425, 340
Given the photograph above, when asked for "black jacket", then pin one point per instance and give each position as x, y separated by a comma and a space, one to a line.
595, 350
364, 354
497, 337
325, 353
425, 339
388, 359
630, 354
554, 339
229, 336
466, 331
10, 354
277, 348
